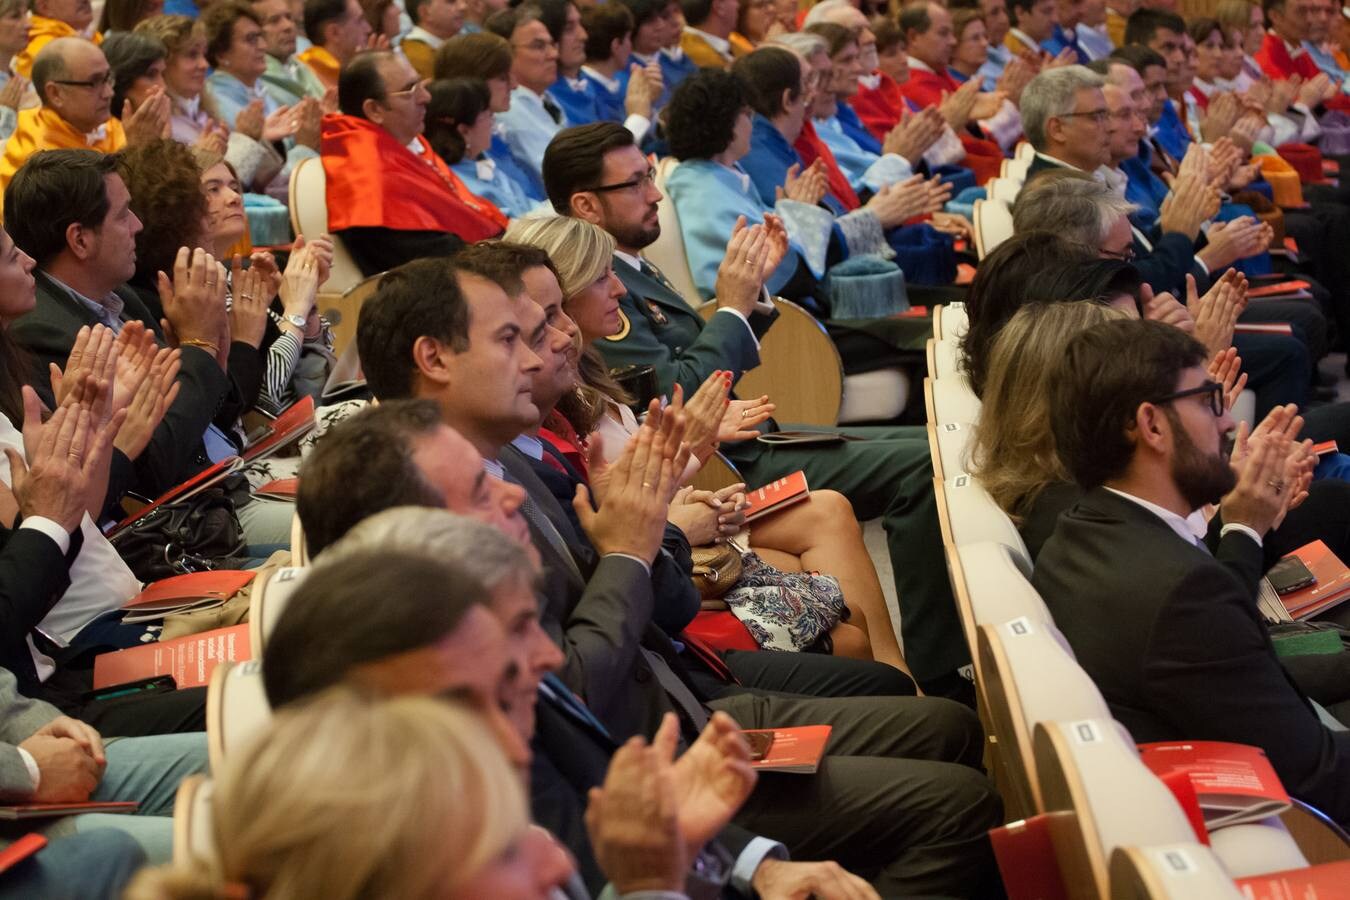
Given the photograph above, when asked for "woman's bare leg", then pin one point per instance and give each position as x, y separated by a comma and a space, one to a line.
825, 535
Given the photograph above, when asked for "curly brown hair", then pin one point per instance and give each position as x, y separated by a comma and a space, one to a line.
165, 184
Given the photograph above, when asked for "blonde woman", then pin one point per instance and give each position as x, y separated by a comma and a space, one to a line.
820, 534
348, 797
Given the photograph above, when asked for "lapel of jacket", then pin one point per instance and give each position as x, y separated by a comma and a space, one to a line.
645, 289
63, 298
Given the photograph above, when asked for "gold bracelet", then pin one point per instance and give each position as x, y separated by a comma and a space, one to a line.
205, 345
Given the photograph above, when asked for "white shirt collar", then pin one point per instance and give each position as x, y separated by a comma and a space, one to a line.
920, 65
721, 45
610, 84
189, 108
1189, 529
676, 53
634, 261
418, 33
495, 469
1115, 179
871, 82
1024, 37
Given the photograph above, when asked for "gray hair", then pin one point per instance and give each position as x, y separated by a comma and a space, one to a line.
1051, 94
804, 44
821, 12
475, 548
1078, 207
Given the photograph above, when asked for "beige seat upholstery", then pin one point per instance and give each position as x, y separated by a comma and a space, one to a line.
344, 310
950, 400
949, 444
996, 577
993, 225
1086, 767
944, 359
1257, 848
968, 515
308, 200
299, 547
1170, 872
1004, 190
193, 838
267, 600
236, 709
955, 322
1029, 676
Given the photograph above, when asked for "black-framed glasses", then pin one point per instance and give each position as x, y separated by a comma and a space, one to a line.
643, 180
1212, 388
97, 82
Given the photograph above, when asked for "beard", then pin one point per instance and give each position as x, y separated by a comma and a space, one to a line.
635, 235
1200, 477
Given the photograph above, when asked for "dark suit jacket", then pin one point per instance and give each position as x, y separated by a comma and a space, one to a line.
34, 574
376, 250
1177, 646
175, 451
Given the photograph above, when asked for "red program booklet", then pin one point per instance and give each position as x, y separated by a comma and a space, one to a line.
204, 479
296, 421
796, 750
1278, 289
190, 660
12, 812
1234, 783
280, 489
776, 495
1263, 328
185, 593
1328, 881
1026, 859
20, 850
1331, 589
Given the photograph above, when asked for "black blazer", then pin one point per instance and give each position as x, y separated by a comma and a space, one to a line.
34, 574
176, 451
1172, 637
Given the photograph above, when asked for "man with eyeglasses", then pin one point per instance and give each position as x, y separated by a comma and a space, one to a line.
1177, 647
74, 83
286, 79
1065, 119
391, 199
338, 30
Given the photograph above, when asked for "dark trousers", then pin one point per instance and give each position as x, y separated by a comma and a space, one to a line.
897, 799
810, 674
889, 474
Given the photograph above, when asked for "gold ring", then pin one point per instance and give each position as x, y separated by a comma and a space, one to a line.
647, 485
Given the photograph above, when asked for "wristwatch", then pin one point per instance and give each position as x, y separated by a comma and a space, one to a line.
297, 321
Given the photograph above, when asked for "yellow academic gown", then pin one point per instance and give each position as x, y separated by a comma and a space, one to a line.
43, 129
704, 55
42, 32
323, 64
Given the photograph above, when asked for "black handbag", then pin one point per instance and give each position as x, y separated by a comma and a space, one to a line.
195, 534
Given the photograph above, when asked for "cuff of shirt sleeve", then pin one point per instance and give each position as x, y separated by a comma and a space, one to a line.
1201, 263
31, 765
755, 852
1239, 527
637, 559
744, 318
52, 530
638, 126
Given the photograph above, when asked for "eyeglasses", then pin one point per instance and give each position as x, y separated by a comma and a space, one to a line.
538, 46
1097, 115
1126, 255
1211, 388
420, 84
643, 180
97, 82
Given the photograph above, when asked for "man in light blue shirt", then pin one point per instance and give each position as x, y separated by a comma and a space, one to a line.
534, 117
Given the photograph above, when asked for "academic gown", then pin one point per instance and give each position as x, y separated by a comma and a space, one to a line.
42, 128
41, 32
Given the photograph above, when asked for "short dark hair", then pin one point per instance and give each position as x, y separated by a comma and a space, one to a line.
1201, 28
765, 74
574, 160
218, 20
605, 24
1138, 57
887, 33
319, 13
418, 299
165, 184
130, 55
701, 114
121, 15
362, 466
411, 7
644, 10
1095, 280
360, 609
503, 263
696, 12
481, 55
504, 22
454, 102
1000, 287
915, 17
836, 36
1015, 5
52, 190
360, 80
553, 13
1103, 376
1268, 5
1143, 24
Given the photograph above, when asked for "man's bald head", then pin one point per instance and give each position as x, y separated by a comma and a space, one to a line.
72, 76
